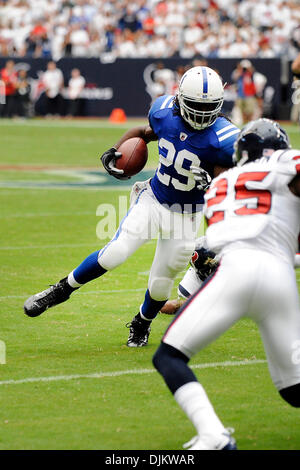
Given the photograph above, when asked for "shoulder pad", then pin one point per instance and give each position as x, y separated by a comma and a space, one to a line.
161, 103
288, 160
225, 130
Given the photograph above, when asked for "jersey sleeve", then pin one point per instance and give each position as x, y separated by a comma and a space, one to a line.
156, 111
289, 162
226, 140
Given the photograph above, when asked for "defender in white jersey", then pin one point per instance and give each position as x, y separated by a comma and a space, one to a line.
202, 264
253, 214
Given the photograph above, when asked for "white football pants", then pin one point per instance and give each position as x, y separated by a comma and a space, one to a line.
145, 220
248, 283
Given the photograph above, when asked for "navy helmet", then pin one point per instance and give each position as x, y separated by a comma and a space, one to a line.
258, 139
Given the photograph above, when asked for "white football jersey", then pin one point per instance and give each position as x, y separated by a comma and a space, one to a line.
252, 206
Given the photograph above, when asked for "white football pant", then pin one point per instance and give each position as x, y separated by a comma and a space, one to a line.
248, 283
145, 220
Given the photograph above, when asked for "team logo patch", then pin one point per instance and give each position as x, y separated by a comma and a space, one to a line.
195, 257
183, 136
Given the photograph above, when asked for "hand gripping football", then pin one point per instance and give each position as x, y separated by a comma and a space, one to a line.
134, 156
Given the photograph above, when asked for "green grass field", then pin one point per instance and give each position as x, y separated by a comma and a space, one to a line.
69, 381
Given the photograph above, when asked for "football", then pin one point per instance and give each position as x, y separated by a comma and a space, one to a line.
134, 156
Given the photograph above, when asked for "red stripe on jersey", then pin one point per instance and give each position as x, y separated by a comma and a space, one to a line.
297, 166
221, 193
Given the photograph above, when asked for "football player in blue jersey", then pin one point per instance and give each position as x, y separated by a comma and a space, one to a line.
195, 143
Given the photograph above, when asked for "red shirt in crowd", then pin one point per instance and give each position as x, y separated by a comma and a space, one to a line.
9, 77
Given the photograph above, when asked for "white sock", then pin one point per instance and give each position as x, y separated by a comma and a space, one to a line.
193, 400
72, 282
297, 260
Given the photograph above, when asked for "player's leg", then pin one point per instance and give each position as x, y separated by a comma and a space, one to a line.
136, 228
171, 257
175, 246
203, 263
280, 331
221, 301
189, 284
204, 317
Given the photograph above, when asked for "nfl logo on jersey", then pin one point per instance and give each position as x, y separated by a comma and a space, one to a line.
182, 136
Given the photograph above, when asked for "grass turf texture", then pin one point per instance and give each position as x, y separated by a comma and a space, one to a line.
44, 234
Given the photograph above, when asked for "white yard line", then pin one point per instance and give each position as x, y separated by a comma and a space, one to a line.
119, 373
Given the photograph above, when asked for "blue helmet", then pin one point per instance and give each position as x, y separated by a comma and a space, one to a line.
258, 139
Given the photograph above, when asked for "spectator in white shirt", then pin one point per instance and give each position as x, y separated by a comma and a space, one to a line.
53, 82
75, 86
126, 44
79, 40
192, 33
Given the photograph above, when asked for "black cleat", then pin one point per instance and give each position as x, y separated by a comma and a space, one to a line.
56, 294
138, 334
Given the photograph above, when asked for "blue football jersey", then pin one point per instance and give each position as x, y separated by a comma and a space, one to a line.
181, 147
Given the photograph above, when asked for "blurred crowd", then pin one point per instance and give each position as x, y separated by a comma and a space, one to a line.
17, 96
149, 28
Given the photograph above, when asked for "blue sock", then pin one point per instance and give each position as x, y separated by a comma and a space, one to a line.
89, 269
151, 307
172, 364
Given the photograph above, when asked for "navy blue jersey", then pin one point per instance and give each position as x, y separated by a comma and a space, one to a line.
181, 147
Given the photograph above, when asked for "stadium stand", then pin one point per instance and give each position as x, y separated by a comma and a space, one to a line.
149, 28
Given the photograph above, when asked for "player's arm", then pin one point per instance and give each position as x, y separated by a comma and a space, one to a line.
111, 155
172, 306
295, 185
144, 132
219, 169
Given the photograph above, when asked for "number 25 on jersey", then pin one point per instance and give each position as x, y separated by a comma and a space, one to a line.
247, 201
